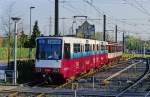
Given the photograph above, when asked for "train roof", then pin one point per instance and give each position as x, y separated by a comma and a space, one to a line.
75, 39
114, 43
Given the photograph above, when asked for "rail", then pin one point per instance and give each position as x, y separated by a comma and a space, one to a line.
42, 93
92, 72
118, 73
140, 79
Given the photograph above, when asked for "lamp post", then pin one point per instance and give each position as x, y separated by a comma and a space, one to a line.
15, 19
32, 7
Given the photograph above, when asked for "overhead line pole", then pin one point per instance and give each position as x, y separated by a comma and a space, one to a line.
116, 30
123, 42
56, 17
104, 27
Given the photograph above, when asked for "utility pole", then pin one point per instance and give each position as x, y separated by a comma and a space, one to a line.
56, 17
116, 30
104, 27
123, 42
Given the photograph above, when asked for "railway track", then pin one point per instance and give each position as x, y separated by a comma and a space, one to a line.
138, 81
93, 72
111, 93
89, 74
42, 83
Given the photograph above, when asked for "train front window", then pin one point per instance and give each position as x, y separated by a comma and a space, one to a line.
49, 49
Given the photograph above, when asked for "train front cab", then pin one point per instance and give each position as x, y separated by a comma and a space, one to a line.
49, 57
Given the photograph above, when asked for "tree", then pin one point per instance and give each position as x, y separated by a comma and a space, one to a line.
6, 28
6, 25
22, 38
134, 44
36, 32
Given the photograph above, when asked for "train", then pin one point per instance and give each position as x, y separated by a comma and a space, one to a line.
59, 58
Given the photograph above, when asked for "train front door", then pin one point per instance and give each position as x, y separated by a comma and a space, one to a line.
66, 50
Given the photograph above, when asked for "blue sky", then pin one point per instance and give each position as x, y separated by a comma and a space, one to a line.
131, 16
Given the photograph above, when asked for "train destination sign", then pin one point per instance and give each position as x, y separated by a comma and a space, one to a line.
54, 41
49, 41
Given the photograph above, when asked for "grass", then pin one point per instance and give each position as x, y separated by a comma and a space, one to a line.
21, 53
126, 55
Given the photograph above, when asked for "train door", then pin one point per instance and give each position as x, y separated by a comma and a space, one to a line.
66, 67
66, 50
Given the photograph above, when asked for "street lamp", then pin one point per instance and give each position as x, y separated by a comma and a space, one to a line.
32, 7
16, 20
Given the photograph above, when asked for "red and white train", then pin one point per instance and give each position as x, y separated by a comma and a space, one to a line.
60, 58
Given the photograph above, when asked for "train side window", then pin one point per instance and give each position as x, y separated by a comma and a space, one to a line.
67, 50
76, 48
97, 47
82, 48
91, 47
94, 47
102, 47
87, 47
113, 49
106, 47
109, 48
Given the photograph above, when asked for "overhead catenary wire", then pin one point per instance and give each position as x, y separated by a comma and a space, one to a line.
67, 5
100, 12
109, 16
138, 7
137, 2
